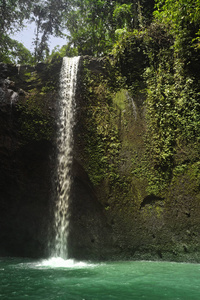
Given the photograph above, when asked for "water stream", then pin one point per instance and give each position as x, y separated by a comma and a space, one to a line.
68, 78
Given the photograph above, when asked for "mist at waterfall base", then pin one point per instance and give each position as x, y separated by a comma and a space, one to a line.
68, 280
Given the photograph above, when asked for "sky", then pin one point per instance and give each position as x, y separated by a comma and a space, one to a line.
26, 38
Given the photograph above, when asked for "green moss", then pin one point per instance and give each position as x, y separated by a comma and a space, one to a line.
30, 77
101, 134
120, 98
34, 123
149, 62
108, 133
40, 86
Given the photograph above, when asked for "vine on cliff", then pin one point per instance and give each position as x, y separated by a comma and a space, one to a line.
102, 142
172, 96
36, 102
172, 111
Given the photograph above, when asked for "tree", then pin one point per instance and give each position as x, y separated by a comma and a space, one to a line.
178, 15
12, 15
90, 26
50, 17
182, 19
93, 23
15, 52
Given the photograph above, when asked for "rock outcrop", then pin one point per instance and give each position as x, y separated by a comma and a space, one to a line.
113, 214
25, 181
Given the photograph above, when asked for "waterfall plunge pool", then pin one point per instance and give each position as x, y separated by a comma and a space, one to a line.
72, 280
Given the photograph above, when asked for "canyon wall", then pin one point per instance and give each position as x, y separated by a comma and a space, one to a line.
115, 214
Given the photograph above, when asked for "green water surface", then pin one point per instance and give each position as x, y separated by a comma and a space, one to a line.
67, 280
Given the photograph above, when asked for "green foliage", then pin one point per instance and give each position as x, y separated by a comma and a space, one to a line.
58, 53
172, 115
14, 52
162, 58
177, 15
95, 25
104, 154
182, 18
119, 99
91, 24
101, 135
35, 105
123, 15
130, 58
49, 17
12, 15
172, 103
35, 123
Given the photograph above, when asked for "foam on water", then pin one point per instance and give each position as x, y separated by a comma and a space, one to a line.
58, 262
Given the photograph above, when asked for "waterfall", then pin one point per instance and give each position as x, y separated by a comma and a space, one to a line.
63, 180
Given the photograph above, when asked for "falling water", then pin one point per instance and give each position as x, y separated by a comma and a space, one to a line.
64, 156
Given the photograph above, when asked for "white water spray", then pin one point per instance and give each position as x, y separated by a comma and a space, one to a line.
66, 121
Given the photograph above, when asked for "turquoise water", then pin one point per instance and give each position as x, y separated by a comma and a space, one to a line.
68, 280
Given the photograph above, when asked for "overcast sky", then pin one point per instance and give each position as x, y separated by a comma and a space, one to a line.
26, 38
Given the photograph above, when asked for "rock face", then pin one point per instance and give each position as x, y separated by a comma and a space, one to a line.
90, 236
27, 157
25, 175
113, 216
110, 146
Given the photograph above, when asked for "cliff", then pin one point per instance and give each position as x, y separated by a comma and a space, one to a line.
116, 210
150, 217
25, 159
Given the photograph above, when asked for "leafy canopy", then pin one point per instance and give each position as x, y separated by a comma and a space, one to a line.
93, 25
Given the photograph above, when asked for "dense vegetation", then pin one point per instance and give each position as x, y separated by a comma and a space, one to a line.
154, 49
93, 26
138, 126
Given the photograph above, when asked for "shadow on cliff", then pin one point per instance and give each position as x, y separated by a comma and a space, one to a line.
90, 236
